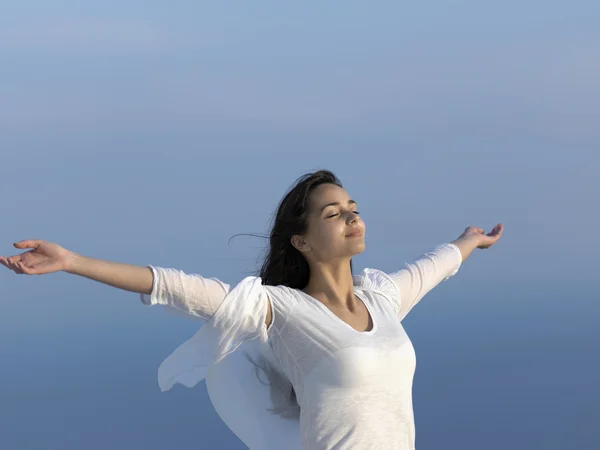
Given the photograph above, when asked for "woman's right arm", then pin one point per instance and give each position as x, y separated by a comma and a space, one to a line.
123, 276
191, 294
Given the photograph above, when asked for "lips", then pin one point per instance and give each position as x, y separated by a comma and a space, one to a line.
355, 233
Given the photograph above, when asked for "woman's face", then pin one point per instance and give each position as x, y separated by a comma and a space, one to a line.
335, 230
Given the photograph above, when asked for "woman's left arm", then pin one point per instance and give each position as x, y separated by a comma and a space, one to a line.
419, 277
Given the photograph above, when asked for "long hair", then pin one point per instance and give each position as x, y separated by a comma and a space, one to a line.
284, 265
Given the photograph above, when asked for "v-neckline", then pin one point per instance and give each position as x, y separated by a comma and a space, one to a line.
343, 322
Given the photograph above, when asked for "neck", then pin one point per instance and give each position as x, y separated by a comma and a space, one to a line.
331, 283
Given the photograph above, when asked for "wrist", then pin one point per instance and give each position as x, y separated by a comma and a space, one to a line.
466, 244
473, 239
72, 261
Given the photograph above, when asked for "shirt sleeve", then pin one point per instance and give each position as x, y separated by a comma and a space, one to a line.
190, 294
239, 318
418, 278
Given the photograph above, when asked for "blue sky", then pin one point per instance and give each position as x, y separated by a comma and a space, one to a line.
486, 110
456, 69
150, 133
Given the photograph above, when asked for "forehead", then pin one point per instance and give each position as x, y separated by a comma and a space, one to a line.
328, 193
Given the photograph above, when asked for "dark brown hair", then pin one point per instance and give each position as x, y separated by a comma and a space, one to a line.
284, 264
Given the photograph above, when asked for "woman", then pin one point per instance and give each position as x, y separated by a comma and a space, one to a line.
330, 342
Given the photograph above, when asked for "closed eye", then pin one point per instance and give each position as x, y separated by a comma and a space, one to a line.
337, 214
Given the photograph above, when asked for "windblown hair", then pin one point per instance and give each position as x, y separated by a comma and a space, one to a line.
285, 265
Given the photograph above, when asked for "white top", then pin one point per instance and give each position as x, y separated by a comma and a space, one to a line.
354, 388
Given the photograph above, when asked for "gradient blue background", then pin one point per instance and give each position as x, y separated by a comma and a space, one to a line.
150, 133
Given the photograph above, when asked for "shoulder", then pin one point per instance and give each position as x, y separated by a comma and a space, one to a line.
282, 298
272, 303
377, 281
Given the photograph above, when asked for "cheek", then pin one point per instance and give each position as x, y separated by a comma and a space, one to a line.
325, 234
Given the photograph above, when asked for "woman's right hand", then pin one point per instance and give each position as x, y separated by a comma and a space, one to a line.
44, 257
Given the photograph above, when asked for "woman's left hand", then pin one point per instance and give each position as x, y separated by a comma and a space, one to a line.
484, 240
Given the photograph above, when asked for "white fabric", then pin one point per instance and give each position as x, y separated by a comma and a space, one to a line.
244, 402
354, 388
190, 294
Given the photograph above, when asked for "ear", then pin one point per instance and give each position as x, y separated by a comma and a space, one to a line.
300, 244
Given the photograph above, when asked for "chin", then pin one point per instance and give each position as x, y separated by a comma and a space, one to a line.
357, 249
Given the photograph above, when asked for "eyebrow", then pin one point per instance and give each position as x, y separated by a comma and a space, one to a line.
350, 202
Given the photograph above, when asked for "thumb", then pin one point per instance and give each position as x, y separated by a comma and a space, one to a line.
28, 244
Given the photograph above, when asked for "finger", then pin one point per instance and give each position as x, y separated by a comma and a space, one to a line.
31, 243
491, 240
19, 268
13, 262
497, 231
6, 263
14, 259
27, 270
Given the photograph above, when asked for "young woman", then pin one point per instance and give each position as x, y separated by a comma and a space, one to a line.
331, 343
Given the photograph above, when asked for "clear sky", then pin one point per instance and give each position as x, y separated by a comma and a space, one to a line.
150, 133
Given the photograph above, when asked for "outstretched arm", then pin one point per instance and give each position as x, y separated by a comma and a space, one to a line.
191, 294
47, 257
418, 278
122, 276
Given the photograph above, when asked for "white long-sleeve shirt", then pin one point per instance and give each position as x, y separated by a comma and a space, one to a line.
354, 387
